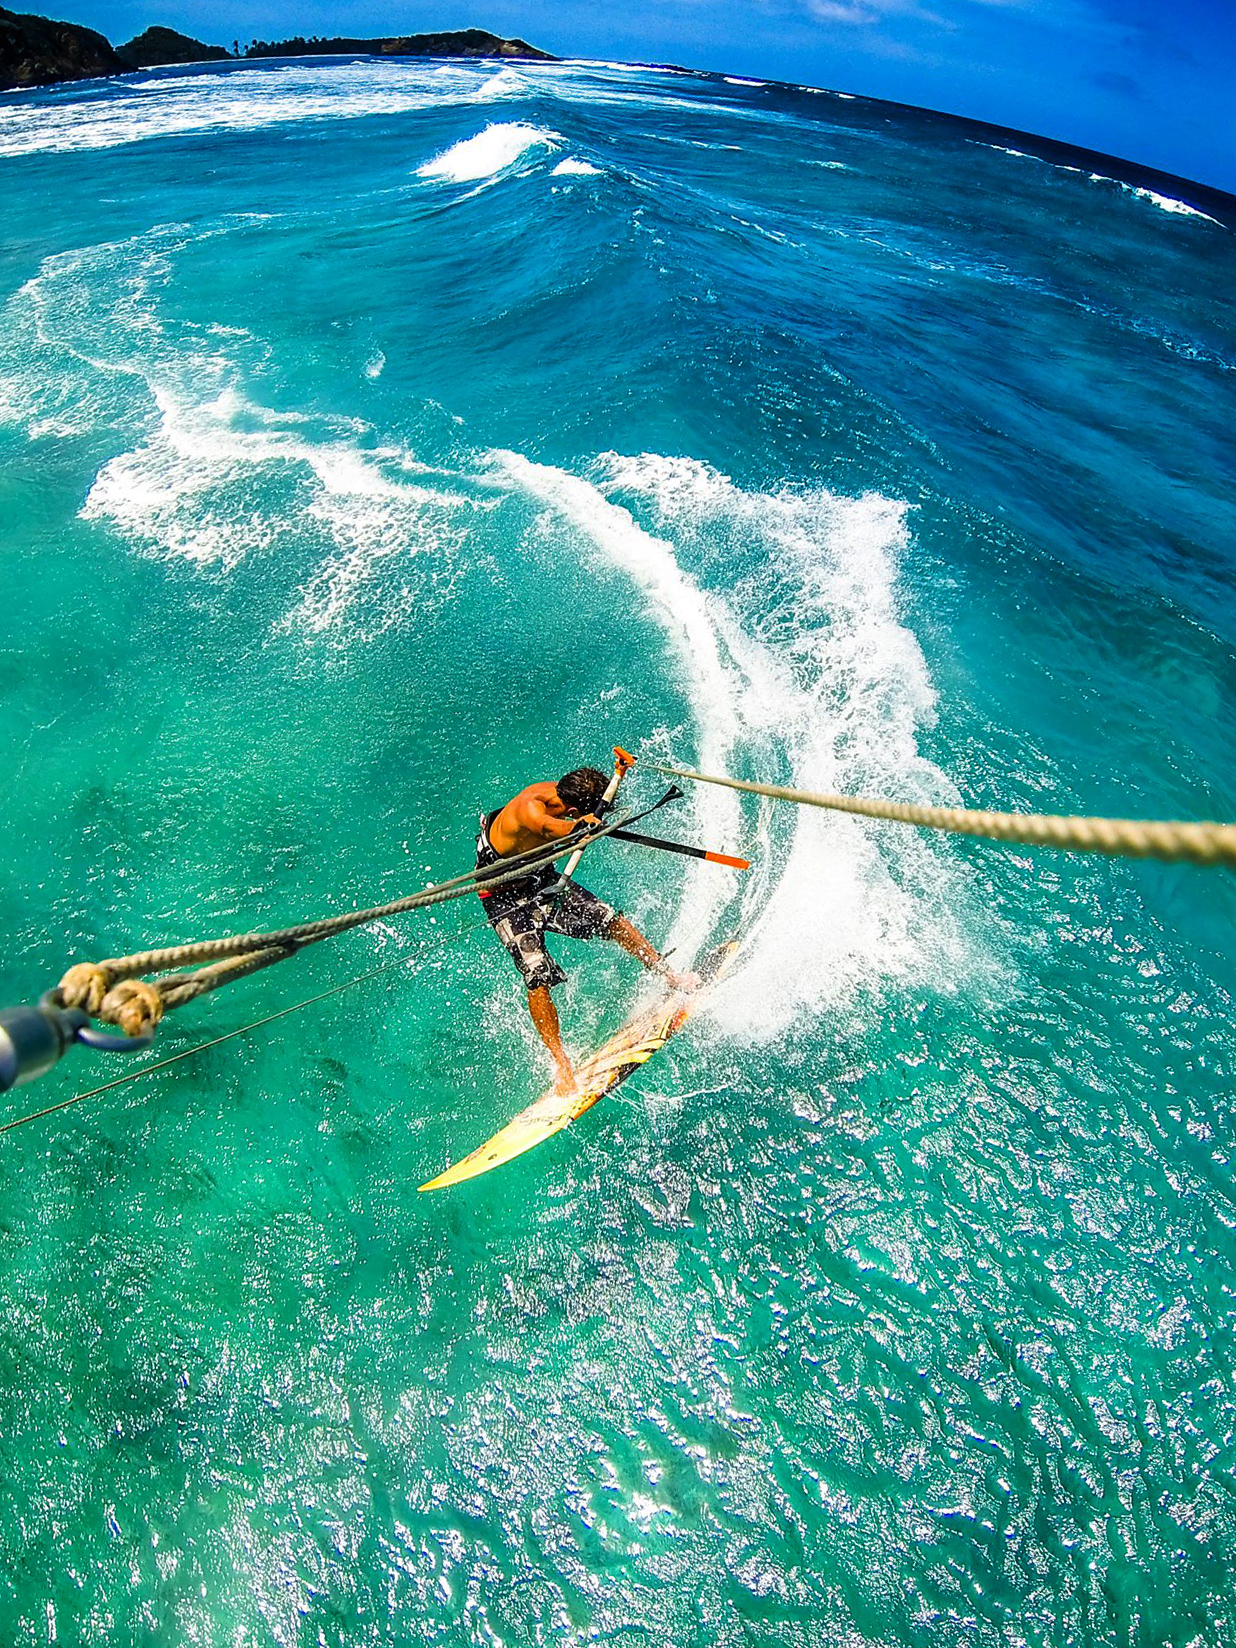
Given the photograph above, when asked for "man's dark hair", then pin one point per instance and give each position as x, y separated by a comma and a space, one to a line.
582, 789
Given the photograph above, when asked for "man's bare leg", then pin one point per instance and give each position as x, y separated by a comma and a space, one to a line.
545, 1017
635, 944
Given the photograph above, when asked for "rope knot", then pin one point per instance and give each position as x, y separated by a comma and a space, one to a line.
85, 986
132, 1004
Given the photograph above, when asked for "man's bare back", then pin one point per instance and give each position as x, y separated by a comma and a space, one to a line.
536, 815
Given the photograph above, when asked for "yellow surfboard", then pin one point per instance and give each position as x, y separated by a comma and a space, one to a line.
642, 1036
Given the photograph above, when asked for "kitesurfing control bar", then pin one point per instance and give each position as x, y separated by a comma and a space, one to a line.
681, 847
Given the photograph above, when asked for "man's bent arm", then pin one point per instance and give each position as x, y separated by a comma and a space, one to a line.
538, 818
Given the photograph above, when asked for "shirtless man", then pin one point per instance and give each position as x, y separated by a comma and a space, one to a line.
543, 813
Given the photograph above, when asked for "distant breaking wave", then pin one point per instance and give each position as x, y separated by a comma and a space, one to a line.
488, 153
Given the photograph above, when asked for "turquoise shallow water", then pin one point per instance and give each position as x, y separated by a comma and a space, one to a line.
376, 437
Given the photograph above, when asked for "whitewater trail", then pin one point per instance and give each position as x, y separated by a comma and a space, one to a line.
829, 682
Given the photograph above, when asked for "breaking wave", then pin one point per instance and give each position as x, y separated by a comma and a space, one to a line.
491, 151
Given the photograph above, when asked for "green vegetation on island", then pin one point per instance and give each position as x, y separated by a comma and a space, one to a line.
455, 43
37, 51
34, 51
157, 46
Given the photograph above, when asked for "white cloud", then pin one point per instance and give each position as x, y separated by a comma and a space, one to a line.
836, 11
866, 13
870, 13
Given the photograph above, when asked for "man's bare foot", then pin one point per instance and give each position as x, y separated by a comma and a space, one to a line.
686, 982
564, 1081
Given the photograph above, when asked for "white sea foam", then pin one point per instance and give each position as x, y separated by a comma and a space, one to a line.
801, 663
1023, 154
571, 167
508, 82
487, 153
84, 323
364, 530
1166, 203
836, 687
242, 100
207, 474
733, 80
216, 481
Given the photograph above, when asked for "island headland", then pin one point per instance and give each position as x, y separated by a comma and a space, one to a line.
38, 51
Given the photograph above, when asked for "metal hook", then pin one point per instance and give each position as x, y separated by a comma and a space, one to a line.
33, 1039
75, 1025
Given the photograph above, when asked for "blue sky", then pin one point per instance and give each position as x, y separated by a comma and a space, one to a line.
1153, 81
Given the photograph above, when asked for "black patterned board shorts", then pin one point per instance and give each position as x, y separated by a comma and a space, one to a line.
521, 920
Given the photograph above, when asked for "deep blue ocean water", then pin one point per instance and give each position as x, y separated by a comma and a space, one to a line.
377, 437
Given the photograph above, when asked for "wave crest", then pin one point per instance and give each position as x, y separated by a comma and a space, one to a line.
489, 152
